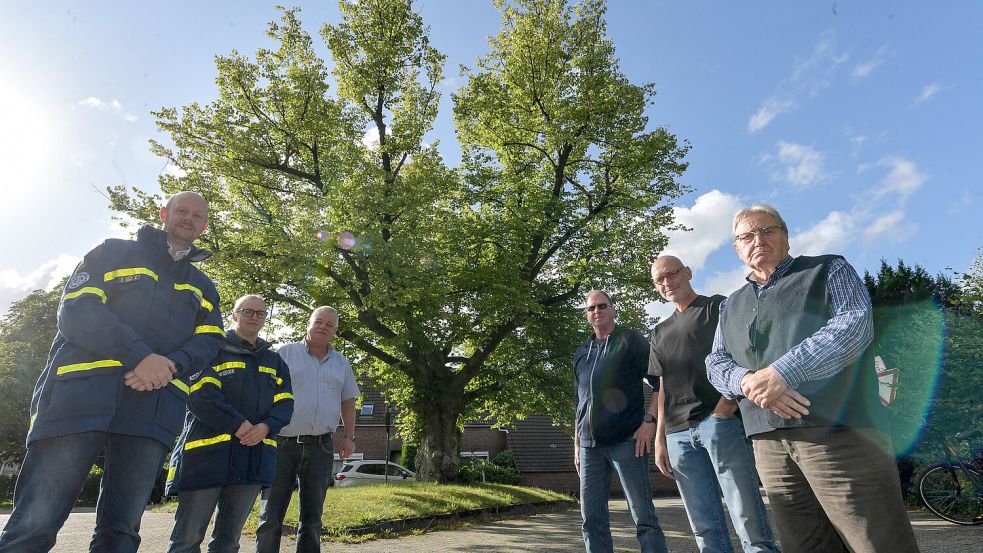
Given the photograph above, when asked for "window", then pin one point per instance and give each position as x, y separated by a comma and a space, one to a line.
372, 468
367, 409
474, 455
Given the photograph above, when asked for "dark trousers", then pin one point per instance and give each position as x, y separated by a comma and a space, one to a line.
833, 490
52, 476
311, 465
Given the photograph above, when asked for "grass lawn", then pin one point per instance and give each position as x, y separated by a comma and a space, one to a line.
357, 506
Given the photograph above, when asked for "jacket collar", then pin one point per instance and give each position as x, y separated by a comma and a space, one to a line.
158, 238
235, 344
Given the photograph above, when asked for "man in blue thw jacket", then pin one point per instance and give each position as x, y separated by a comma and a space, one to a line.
226, 452
137, 321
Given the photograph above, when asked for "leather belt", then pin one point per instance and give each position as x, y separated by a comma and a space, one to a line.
308, 439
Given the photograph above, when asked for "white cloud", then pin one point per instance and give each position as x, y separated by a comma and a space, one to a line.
771, 108
710, 219
14, 286
725, 282
371, 138
802, 165
903, 178
829, 235
809, 77
891, 226
112, 105
174, 171
864, 69
928, 91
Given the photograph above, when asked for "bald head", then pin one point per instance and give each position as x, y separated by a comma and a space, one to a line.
672, 279
185, 217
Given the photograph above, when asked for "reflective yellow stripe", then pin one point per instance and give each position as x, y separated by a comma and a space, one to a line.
112, 275
170, 472
284, 395
230, 365
203, 381
204, 303
180, 385
30, 425
268, 441
279, 381
87, 290
268, 370
209, 329
65, 369
208, 441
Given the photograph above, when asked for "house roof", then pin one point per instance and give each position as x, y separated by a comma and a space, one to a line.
538, 446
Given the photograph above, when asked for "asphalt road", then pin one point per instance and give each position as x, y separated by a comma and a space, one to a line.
549, 532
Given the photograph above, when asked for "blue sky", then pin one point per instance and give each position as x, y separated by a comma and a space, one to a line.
860, 122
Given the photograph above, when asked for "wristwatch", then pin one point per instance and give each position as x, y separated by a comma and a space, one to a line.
648, 418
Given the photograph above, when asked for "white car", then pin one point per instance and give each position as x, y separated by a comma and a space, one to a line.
355, 473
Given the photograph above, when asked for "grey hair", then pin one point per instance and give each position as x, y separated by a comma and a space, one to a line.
332, 310
601, 292
758, 208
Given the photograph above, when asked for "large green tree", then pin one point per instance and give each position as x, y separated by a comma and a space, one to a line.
458, 288
26, 333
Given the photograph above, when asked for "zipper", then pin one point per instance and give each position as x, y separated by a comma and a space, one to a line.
590, 396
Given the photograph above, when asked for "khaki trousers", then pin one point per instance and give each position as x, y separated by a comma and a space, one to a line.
833, 490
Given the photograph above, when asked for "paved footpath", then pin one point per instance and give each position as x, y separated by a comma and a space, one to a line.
550, 532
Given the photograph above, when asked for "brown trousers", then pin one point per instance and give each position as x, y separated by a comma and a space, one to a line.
833, 490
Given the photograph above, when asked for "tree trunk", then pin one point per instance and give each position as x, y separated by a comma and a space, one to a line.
437, 458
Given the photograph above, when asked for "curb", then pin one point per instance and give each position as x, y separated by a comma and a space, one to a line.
401, 525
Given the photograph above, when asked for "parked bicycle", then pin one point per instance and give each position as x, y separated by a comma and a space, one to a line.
953, 489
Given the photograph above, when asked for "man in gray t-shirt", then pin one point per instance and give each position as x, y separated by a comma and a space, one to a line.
699, 438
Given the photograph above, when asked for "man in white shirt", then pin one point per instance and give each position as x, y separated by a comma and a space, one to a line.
324, 392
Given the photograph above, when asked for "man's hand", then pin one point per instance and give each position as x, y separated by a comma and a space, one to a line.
152, 373
255, 435
725, 408
662, 458
244, 429
643, 438
347, 447
768, 390
576, 454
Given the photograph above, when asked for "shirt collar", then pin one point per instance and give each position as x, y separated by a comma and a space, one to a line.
178, 255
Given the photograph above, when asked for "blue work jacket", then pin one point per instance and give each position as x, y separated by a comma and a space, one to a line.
126, 300
241, 384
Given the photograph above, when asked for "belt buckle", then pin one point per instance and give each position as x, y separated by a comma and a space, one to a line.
302, 439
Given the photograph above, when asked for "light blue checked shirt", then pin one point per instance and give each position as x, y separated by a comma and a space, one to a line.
824, 354
319, 386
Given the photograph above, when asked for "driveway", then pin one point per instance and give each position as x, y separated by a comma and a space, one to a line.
549, 532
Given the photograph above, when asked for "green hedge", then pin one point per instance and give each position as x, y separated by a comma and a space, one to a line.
471, 473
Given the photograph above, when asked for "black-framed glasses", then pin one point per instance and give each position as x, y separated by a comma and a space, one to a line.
767, 232
661, 279
253, 313
598, 306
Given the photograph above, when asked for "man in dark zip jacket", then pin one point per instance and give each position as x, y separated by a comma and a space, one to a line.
613, 431
137, 321
226, 452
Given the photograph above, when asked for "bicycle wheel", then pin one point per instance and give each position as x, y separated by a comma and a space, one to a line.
953, 493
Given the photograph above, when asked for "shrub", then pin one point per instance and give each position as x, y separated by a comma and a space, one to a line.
471, 473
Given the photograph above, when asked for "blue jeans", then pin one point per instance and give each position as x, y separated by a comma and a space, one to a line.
311, 464
711, 457
195, 509
596, 464
52, 476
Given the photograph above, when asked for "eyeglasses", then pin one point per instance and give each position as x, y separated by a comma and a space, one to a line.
253, 313
598, 306
767, 232
661, 279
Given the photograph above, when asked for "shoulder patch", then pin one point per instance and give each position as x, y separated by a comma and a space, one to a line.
78, 280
